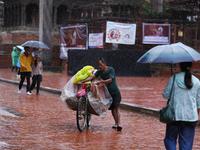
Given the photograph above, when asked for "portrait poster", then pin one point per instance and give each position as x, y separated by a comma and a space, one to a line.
96, 40
120, 33
73, 37
156, 33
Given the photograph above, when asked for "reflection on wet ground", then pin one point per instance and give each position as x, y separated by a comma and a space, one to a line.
49, 126
145, 91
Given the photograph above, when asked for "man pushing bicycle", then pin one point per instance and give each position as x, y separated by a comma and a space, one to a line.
107, 75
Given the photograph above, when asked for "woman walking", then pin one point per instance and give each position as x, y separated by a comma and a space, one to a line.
185, 98
37, 70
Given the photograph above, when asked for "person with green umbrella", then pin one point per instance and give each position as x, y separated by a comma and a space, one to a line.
15, 57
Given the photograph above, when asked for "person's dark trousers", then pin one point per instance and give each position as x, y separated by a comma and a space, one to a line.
28, 76
18, 72
184, 133
38, 79
13, 68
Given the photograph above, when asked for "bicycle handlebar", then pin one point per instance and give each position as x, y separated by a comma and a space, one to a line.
85, 83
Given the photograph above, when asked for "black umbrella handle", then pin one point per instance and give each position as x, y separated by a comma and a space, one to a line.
171, 69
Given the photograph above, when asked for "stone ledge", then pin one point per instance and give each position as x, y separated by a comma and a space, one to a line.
47, 89
12, 112
51, 90
139, 109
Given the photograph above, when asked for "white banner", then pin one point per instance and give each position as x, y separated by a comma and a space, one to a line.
96, 40
121, 33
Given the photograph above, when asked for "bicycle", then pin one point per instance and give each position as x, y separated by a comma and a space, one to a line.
83, 116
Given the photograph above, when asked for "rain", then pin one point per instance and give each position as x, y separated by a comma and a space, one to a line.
75, 34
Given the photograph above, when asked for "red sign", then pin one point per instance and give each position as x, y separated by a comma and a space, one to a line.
156, 33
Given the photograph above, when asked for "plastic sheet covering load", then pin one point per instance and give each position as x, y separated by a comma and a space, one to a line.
68, 94
99, 98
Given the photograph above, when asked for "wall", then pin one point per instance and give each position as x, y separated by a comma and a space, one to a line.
14, 39
123, 61
6, 61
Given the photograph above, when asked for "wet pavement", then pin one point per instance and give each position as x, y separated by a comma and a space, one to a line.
145, 91
49, 127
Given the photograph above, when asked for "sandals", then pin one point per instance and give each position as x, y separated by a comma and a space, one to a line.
117, 127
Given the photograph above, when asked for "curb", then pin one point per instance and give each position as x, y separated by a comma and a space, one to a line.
139, 109
12, 111
123, 106
47, 89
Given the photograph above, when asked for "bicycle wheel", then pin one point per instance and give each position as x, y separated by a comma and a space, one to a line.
81, 115
89, 116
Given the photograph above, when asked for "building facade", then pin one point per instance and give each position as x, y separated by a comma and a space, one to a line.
21, 19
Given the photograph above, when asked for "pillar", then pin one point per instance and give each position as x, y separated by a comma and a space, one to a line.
55, 16
10, 14
45, 29
15, 16
5, 17
70, 11
23, 14
18, 12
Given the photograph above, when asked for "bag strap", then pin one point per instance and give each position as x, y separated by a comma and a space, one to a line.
171, 89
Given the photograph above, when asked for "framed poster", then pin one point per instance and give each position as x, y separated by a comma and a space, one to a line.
156, 33
73, 37
96, 40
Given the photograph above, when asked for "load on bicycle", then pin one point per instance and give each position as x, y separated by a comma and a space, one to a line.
99, 98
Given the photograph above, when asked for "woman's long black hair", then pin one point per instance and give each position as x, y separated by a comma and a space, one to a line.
185, 67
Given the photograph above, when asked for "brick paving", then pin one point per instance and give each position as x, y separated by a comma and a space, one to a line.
145, 91
48, 126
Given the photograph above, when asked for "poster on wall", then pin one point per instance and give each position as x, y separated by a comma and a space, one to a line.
120, 33
156, 33
96, 40
73, 37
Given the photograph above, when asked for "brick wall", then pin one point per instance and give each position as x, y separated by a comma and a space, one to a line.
5, 55
56, 61
55, 40
10, 40
196, 66
22, 38
18, 38
5, 61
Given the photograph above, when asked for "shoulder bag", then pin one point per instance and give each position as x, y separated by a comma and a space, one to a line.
167, 113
